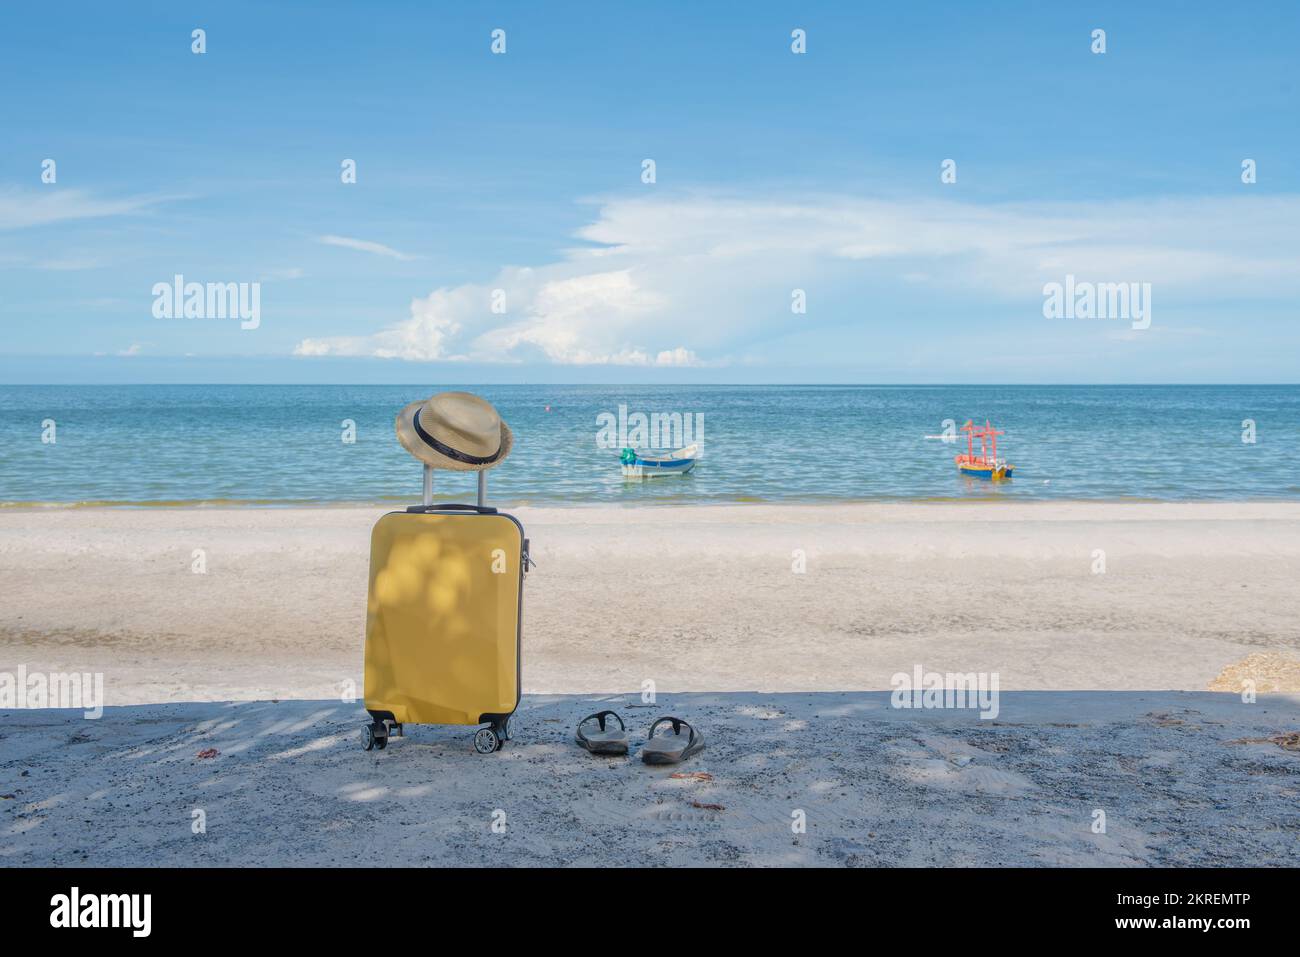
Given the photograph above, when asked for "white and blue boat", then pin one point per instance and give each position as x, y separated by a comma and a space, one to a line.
646, 465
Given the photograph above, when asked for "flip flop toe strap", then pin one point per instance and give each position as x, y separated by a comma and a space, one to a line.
599, 717
677, 724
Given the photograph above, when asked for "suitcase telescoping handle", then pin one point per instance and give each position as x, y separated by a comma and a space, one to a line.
453, 507
428, 506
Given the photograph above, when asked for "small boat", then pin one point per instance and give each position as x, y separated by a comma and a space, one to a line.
987, 464
645, 465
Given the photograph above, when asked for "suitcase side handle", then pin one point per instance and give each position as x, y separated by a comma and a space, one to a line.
452, 507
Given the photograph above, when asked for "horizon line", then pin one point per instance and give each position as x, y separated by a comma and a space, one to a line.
668, 385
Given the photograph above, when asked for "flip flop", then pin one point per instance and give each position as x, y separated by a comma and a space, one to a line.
603, 741
671, 749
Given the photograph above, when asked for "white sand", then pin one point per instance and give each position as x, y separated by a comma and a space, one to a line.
696, 599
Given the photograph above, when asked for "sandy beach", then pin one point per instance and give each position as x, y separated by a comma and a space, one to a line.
691, 598
1121, 689
1176, 779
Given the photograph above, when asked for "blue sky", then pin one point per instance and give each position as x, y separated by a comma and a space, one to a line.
774, 172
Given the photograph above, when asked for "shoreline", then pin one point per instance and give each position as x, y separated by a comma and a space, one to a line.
396, 502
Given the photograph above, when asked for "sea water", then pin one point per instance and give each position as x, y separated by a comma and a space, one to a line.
250, 444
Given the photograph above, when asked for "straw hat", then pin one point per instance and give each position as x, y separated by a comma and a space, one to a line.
454, 430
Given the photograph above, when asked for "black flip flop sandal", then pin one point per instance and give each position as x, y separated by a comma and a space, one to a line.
603, 741
674, 748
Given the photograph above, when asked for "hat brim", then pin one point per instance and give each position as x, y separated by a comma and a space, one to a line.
412, 442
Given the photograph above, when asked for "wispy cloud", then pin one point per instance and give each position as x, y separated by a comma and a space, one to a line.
130, 351
68, 265
365, 246
60, 264
286, 273
691, 279
24, 208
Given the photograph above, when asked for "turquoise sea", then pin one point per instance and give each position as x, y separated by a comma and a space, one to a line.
153, 444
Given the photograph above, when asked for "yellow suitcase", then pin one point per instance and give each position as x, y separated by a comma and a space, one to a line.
443, 621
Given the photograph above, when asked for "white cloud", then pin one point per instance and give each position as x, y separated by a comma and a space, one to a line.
24, 208
132, 350
58, 264
285, 273
365, 246
67, 265
676, 278
677, 357
569, 318
424, 336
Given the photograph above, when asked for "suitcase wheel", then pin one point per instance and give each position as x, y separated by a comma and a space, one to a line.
375, 736
486, 740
